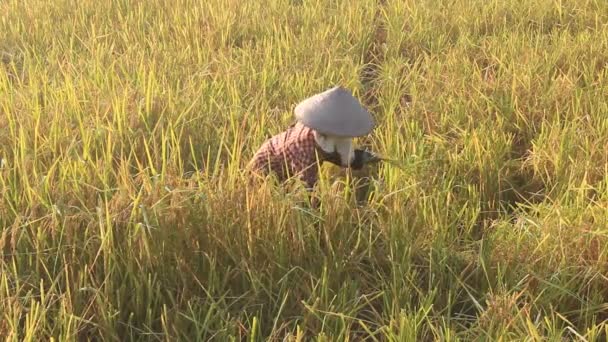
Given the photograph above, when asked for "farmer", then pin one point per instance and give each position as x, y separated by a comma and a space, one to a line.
326, 124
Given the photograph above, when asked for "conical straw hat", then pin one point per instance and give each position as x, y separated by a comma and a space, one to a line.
335, 112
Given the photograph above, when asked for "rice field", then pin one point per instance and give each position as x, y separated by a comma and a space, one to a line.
125, 214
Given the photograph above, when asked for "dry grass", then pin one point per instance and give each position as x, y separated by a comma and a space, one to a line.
124, 126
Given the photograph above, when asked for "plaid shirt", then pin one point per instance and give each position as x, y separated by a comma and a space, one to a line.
290, 153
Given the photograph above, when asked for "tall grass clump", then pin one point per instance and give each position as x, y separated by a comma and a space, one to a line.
125, 214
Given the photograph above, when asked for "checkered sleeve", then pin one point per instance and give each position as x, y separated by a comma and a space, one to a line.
289, 154
304, 161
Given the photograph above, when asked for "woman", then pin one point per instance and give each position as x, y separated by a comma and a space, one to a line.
326, 124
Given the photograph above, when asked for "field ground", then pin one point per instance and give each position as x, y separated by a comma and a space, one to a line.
124, 127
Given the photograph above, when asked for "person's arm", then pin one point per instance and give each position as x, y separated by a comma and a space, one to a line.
309, 175
303, 160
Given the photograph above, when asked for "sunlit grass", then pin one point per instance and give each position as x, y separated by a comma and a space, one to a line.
125, 214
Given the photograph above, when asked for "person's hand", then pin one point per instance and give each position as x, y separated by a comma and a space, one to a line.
362, 158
